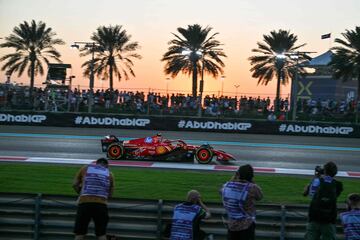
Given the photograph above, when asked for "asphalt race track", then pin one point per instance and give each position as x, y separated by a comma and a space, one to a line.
259, 150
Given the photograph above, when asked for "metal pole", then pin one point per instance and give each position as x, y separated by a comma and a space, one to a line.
91, 94
167, 86
283, 222
294, 97
201, 86
159, 219
236, 91
222, 87
37, 217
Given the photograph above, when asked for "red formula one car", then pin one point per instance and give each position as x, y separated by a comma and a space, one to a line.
157, 148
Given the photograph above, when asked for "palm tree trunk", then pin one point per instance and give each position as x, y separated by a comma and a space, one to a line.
277, 98
194, 80
32, 79
111, 77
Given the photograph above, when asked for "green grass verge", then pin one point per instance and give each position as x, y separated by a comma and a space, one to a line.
154, 183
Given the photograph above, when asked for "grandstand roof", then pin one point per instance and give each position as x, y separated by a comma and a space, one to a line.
321, 60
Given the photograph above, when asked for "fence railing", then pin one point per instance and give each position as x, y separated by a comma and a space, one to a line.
38, 216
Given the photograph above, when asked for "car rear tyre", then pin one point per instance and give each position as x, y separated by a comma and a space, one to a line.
203, 155
115, 151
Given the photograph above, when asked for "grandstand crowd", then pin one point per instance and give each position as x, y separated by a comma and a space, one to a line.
115, 101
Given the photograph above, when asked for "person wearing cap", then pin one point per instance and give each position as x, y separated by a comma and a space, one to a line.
239, 196
187, 216
95, 185
351, 219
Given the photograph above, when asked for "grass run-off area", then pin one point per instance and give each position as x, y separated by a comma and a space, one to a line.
155, 183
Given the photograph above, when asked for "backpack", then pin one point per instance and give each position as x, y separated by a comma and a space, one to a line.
323, 205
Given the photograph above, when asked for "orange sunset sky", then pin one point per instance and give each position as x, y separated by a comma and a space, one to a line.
240, 23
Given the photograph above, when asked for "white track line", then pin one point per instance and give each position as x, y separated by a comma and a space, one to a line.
164, 165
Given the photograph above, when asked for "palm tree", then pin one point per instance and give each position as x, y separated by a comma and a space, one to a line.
114, 54
346, 59
33, 44
202, 51
276, 60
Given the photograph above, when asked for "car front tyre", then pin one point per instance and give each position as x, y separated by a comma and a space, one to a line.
203, 155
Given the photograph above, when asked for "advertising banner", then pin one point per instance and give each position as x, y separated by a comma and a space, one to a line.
194, 124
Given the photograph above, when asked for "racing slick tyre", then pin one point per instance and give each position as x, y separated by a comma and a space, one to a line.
115, 151
203, 155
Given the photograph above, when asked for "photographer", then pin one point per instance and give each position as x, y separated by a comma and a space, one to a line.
351, 218
94, 184
239, 196
312, 187
323, 208
187, 216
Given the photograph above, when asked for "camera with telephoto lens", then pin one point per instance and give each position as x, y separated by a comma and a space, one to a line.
319, 170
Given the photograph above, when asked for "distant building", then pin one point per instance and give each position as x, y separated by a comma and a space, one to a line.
322, 85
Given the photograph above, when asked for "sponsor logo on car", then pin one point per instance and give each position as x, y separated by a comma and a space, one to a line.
111, 121
214, 125
22, 118
294, 128
148, 140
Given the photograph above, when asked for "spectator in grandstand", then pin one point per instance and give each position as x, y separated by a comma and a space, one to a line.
187, 216
323, 208
351, 218
95, 184
282, 116
271, 117
312, 187
239, 196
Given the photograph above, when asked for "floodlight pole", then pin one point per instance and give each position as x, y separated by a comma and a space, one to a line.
294, 89
92, 46
201, 85
91, 94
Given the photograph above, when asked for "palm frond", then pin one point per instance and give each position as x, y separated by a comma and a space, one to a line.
345, 62
32, 42
194, 38
114, 51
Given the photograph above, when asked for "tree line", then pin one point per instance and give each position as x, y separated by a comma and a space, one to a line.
194, 50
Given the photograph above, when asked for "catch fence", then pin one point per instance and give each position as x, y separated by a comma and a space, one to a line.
39, 216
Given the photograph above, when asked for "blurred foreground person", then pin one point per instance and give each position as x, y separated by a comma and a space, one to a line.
239, 196
95, 184
323, 208
351, 218
187, 216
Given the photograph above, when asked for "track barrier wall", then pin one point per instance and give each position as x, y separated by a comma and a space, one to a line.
167, 123
40, 216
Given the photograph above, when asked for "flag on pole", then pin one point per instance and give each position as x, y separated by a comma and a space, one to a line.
325, 36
